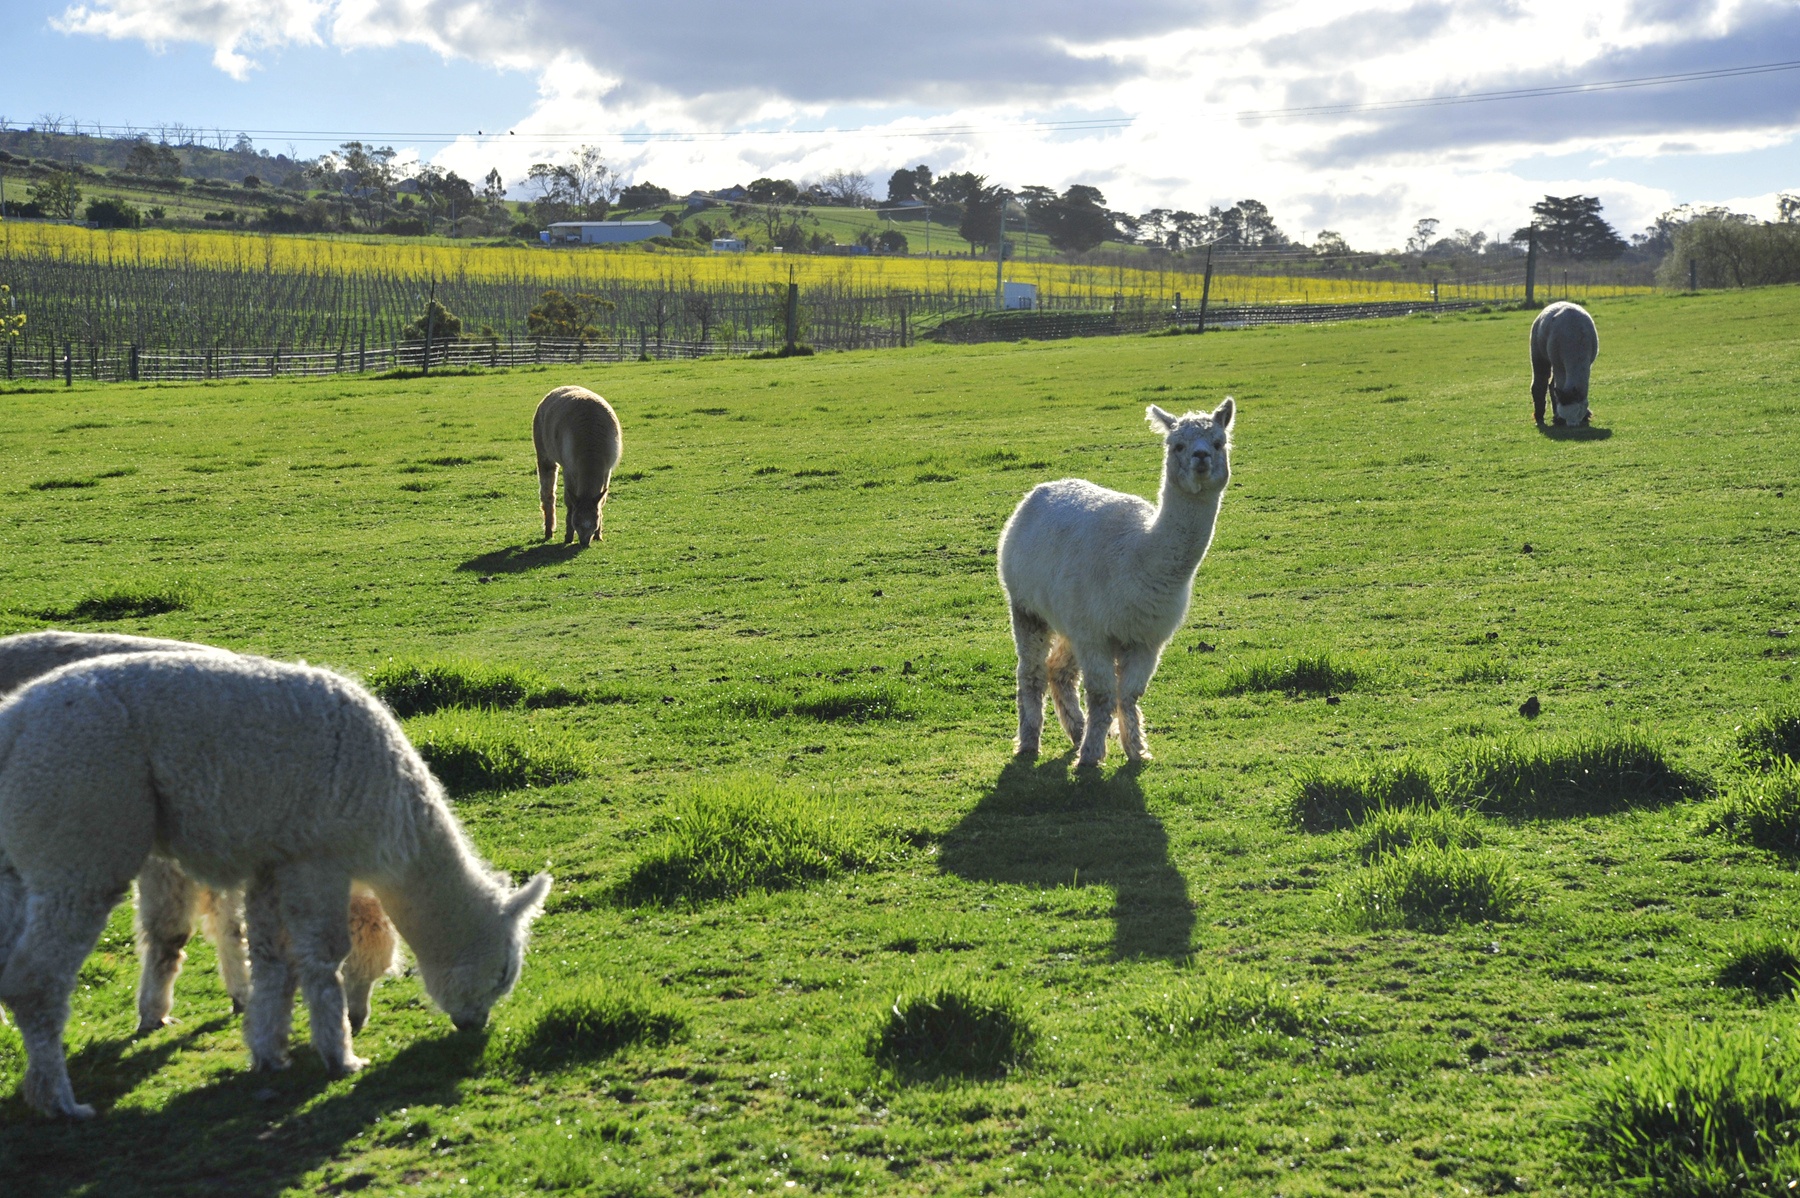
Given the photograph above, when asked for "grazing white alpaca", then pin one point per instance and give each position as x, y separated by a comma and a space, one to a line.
168, 901
1564, 344
283, 779
1099, 581
579, 431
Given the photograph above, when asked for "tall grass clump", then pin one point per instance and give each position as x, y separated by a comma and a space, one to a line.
420, 687
1767, 965
1771, 740
128, 602
1763, 809
1391, 829
472, 751
585, 1022
1430, 888
731, 838
953, 1028
1318, 674
1323, 799
1583, 776
851, 702
1229, 1001
1706, 1111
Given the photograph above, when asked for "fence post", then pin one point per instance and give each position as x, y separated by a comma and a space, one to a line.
1205, 290
1531, 267
275, 362
69, 364
134, 363
643, 341
9, 358
793, 311
362, 352
432, 299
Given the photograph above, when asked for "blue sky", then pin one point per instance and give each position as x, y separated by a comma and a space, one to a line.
981, 87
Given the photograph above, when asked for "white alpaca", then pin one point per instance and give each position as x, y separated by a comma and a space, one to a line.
1564, 344
168, 901
579, 431
283, 779
1099, 581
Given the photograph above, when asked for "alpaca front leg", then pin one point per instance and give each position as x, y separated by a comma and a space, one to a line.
222, 917
1065, 690
315, 909
1135, 670
269, 1015
165, 920
1031, 637
1098, 674
547, 495
60, 930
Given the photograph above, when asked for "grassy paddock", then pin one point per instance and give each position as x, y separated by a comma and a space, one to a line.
796, 597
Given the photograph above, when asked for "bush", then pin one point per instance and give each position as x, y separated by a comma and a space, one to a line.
413, 687
1432, 888
1764, 810
585, 1023
1767, 965
1771, 740
113, 214
1569, 777
1325, 799
1707, 1111
953, 1028
1315, 675
472, 751
729, 839
1230, 1001
1392, 829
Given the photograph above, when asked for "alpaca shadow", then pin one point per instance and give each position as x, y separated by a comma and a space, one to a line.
1581, 432
516, 559
1040, 826
252, 1135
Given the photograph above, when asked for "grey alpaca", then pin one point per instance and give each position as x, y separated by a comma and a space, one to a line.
577, 430
1564, 344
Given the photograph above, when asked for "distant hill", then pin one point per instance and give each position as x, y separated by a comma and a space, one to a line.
111, 153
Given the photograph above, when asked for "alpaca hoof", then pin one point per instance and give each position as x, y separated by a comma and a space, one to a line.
269, 1064
1088, 763
1142, 755
1024, 751
146, 1026
80, 1110
351, 1064
237, 1006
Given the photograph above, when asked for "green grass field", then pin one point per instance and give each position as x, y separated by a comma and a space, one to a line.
1361, 926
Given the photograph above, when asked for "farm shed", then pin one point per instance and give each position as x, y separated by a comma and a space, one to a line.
602, 232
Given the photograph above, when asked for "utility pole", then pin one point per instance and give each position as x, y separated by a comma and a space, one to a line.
1000, 258
1531, 266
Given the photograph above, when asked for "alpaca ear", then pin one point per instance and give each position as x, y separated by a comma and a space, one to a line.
1158, 419
1224, 412
527, 902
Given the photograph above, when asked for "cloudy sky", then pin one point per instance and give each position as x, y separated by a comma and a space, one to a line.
1160, 103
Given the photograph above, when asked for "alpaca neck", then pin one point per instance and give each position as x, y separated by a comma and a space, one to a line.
440, 897
1182, 528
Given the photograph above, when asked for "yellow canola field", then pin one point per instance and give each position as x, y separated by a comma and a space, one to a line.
239, 251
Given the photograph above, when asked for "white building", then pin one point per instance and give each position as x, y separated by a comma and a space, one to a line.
1021, 297
732, 244
602, 232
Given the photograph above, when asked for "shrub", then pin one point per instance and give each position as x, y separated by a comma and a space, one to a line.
732, 838
113, 214
473, 751
1572, 777
1764, 809
1771, 740
1766, 964
1231, 1001
1315, 675
953, 1029
1706, 1111
1432, 888
1391, 829
1325, 799
419, 687
585, 1023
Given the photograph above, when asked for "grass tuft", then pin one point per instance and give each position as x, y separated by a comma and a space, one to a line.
1325, 799
953, 1029
419, 687
1430, 888
474, 751
1766, 964
1764, 810
1230, 1001
1771, 740
1706, 1111
826, 702
1393, 829
733, 838
1585, 776
1318, 674
586, 1023
64, 484
128, 603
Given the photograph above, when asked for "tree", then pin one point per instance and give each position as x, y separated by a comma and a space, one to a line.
1328, 243
772, 191
1424, 232
643, 195
914, 184
149, 158
571, 317
1076, 221
58, 195
981, 207
891, 241
582, 188
443, 324
112, 214
493, 190
1787, 204
847, 189
1571, 227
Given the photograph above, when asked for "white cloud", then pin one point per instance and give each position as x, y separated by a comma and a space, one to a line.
1184, 70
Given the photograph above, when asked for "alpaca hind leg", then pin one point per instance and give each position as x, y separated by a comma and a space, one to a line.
165, 920
222, 918
1136, 666
374, 952
1097, 672
1031, 637
60, 929
269, 1015
1065, 689
315, 909
547, 495
1540, 385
